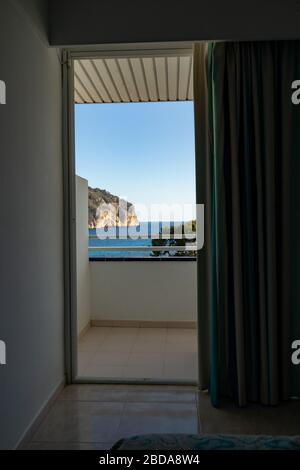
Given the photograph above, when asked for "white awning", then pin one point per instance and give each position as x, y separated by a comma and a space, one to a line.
134, 79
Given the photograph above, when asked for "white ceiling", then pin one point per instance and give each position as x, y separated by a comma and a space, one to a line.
135, 79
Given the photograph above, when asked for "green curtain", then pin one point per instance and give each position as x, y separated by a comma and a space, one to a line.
248, 177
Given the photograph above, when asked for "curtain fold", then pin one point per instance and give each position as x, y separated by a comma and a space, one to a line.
248, 175
203, 193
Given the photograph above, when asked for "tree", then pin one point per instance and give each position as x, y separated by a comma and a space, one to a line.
186, 228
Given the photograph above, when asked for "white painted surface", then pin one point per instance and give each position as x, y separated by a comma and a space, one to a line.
31, 234
143, 290
82, 240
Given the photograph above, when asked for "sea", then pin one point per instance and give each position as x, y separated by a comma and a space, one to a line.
128, 237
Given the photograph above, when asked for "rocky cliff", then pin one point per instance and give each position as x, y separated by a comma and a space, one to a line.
107, 210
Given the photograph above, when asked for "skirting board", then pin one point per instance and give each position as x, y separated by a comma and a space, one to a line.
84, 331
32, 428
145, 324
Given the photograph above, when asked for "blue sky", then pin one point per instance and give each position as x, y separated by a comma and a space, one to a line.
142, 152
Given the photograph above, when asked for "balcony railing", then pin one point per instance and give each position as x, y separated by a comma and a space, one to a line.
143, 248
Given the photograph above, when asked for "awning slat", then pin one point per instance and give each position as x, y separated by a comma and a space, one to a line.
87, 82
80, 89
96, 80
161, 78
129, 79
172, 78
139, 78
150, 78
184, 76
191, 86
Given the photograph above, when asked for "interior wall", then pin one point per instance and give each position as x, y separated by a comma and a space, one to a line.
31, 229
77, 22
144, 290
37, 15
82, 257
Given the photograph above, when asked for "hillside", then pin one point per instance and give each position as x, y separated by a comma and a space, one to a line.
107, 210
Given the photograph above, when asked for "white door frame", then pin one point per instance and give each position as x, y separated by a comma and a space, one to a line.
70, 275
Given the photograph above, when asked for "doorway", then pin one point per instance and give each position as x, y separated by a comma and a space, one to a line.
134, 295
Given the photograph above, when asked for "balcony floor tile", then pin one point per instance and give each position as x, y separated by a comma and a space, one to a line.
138, 353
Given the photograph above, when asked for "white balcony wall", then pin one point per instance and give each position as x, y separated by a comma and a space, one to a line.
144, 290
82, 262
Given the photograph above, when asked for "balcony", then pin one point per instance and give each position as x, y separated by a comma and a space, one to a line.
136, 319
